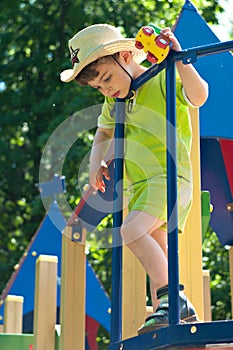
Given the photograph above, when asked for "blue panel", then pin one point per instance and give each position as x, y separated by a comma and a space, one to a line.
97, 301
53, 187
214, 179
48, 240
215, 116
98, 205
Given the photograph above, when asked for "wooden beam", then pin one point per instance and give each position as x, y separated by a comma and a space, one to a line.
13, 314
45, 302
134, 294
73, 292
133, 291
190, 242
207, 296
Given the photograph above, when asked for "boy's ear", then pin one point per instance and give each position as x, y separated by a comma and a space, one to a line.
126, 56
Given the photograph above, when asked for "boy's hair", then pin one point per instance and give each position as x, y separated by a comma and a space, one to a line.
90, 72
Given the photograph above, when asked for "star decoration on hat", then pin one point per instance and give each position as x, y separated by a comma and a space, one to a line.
74, 55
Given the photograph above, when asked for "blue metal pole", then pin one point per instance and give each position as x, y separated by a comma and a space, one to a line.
172, 209
116, 309
191, 55
147, 75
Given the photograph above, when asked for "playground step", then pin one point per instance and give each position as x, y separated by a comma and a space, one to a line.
210, 346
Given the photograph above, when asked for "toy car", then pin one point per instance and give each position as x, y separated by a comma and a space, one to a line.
153, 43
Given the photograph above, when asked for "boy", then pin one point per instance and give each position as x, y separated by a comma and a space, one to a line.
106, 61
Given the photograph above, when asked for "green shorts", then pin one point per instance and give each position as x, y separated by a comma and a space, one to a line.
150, 196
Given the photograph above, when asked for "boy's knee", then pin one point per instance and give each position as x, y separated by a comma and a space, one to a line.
130, 232
124, 231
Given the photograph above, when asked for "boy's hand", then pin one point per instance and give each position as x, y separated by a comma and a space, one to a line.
169, 34
96, 177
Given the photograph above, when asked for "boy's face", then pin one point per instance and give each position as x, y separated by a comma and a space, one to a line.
112, 80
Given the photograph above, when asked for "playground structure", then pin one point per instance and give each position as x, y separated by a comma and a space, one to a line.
200, 334
22, 282
133, 309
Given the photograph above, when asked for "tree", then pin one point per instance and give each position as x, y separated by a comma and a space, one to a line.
216, 260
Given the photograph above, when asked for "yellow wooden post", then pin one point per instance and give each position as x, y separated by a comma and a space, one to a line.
134, 292
190, 242
207, 296
13, 314
45, 302
190, 256
73, 292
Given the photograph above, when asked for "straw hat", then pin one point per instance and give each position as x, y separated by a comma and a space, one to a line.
94, 42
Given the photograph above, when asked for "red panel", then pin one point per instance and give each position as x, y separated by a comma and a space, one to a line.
227, 152
91, 332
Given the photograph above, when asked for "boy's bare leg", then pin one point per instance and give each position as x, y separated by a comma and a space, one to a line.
140, 231
161, 237
143, 234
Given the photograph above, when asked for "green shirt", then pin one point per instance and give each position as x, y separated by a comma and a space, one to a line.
145, 131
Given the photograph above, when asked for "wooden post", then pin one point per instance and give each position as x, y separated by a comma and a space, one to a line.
134, 292
73, 292
13, 314
190, 248
45, 302
207, 296
134, 295
190, 242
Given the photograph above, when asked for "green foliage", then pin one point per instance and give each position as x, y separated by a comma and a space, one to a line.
216, 260
34, 35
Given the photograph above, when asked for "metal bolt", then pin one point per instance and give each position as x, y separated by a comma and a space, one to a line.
76, 235
193, 329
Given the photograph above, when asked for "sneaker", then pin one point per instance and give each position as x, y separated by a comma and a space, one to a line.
161, 316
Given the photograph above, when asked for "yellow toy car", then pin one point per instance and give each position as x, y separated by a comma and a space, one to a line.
156, 45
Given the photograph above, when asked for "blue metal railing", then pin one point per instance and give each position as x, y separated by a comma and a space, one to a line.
116, 314
169, 335
172, 209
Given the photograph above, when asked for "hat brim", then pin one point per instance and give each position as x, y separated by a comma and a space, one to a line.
107, 49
